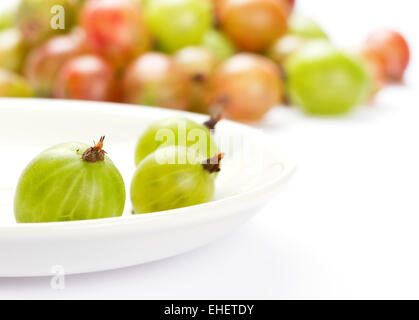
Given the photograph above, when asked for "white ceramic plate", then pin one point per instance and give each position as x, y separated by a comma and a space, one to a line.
251, 174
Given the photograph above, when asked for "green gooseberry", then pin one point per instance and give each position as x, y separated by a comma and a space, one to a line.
173, 177
305, 27
219, 44
178, 24
12, 50
8, 18
324, 80
13, 85
67, 182
177, 131
34, 18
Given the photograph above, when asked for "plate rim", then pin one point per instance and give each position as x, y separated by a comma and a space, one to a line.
241, 200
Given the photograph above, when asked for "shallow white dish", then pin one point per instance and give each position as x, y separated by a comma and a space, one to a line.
251, 174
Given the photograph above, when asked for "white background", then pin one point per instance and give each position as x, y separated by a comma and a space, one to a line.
346, 227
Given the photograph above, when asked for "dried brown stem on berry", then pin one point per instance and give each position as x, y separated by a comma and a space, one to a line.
219, 106
213, 164
95, 153
213, 120
199, 78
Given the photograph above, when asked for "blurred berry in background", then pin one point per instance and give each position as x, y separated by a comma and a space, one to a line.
240, 58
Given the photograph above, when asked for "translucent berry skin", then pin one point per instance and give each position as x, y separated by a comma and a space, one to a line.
179, 23
158, 185
155, 79
115, 29
246, 87
58, 185
87, 77
8, 19
253, 24
183, 132
217, 6
219, 44
288, 5
325, 80
283, 47
291, 4
13, 85
198, 64
44, 62
305, 27
34, 18
376, 66
393, 49
12, 50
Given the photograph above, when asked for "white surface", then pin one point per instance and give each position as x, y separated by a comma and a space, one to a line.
348, 223
250, 176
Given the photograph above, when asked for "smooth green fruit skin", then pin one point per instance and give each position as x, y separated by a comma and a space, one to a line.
149, 141
178, 23
58, 185
160, 186
219, 44
7, 19
305, 27
13, 85
34, 19
324, 80
12, 50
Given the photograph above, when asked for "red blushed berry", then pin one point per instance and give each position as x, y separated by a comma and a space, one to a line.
87, 77
393, 49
